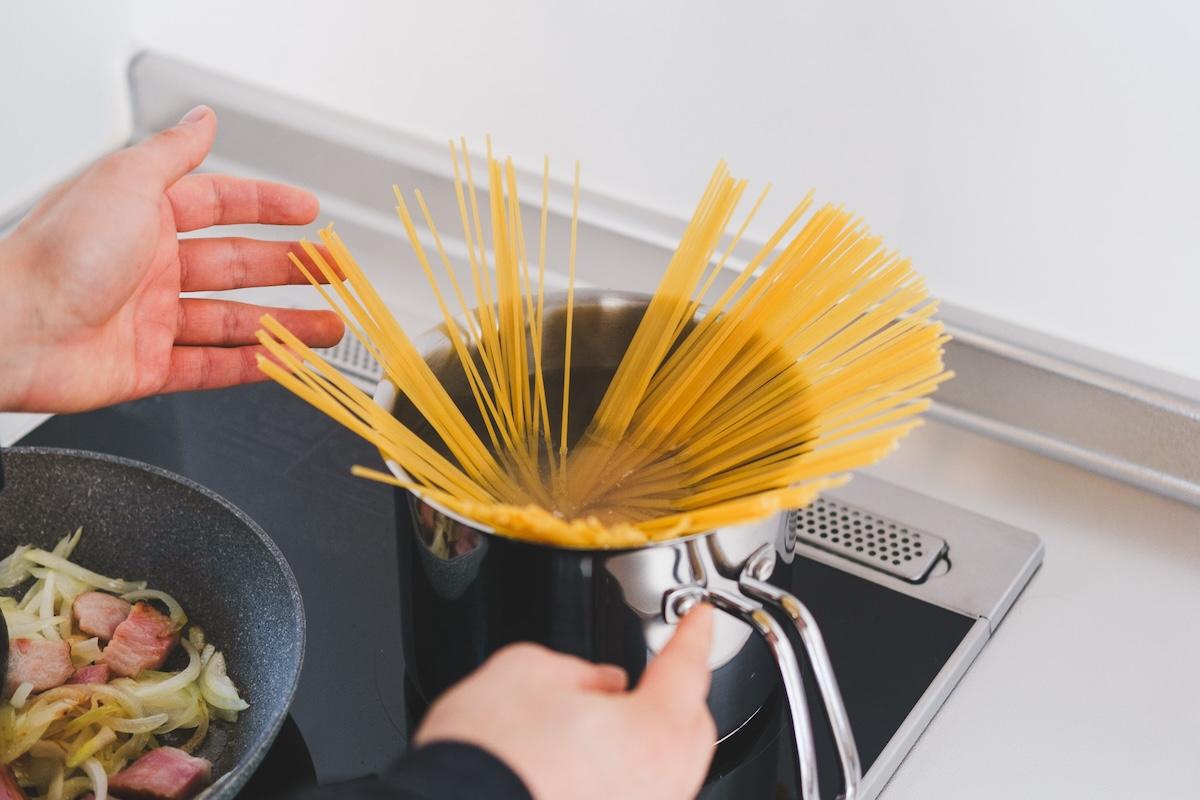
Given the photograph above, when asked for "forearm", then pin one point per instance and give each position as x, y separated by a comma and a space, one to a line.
17, 347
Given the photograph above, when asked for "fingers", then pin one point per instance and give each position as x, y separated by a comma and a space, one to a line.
215, 264
547, 666
200, 201
225, 323
173, 153
194, 368
678, 678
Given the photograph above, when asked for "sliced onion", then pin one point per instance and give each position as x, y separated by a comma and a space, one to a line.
46, 611
55, 791
198, 736
13, 612
73, 693
102, 739
66, 545
46, 603
177, 681
133, 747
19, 629
99, 779
178, 618
218, 690
183, 710
74, 787
89, 718
196, 637
30, 727
82, 574
225, 716
66, 584
119, 695
21, 695
14, 569
68, 593
139, 724
48, 750
206, 654
33, 596
86, 651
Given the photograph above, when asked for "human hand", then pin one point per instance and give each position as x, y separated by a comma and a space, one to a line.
90, 312
569, 729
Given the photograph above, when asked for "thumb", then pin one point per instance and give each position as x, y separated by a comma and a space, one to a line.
678, 677
176, 151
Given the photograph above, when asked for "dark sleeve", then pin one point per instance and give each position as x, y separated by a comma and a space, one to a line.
438, 771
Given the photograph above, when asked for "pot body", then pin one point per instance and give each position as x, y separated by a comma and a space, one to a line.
468, 592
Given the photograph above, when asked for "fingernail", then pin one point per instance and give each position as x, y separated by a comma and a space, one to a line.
195, 115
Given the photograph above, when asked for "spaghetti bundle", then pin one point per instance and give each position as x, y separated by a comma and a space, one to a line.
815, 360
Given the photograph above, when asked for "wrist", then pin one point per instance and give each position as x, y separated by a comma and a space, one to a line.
18, 359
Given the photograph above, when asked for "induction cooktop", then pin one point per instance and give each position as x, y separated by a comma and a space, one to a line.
906, 590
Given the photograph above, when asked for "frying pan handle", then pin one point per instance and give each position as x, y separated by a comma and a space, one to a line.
818, 656
677, 603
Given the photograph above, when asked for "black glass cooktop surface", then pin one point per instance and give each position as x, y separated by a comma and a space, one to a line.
287, 466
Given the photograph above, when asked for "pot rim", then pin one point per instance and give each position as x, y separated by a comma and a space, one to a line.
386, 394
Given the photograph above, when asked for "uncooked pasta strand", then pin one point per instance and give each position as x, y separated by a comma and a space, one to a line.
819, 355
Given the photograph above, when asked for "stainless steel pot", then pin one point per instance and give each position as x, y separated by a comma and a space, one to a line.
468, 592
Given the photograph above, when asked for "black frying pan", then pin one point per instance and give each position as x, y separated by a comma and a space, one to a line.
143, 523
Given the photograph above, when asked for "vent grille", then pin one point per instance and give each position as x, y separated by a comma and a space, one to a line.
351, 358
861, 536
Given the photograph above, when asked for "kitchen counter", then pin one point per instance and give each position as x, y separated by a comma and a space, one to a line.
1089, 688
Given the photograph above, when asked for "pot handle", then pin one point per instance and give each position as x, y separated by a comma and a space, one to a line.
679, 601
814, 646
753, 587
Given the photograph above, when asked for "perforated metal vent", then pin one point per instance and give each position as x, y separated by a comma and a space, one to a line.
352, 358
861, 536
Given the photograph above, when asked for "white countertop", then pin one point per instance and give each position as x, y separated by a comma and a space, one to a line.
1091, 685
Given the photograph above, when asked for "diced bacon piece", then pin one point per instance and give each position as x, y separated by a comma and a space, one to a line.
9, 789
43, 663
166, 773
141, 642
99, 614
96, 673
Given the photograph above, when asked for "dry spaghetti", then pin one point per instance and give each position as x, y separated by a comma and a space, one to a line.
815, 360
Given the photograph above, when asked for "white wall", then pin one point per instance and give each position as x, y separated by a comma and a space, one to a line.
62, 68
1038, 160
